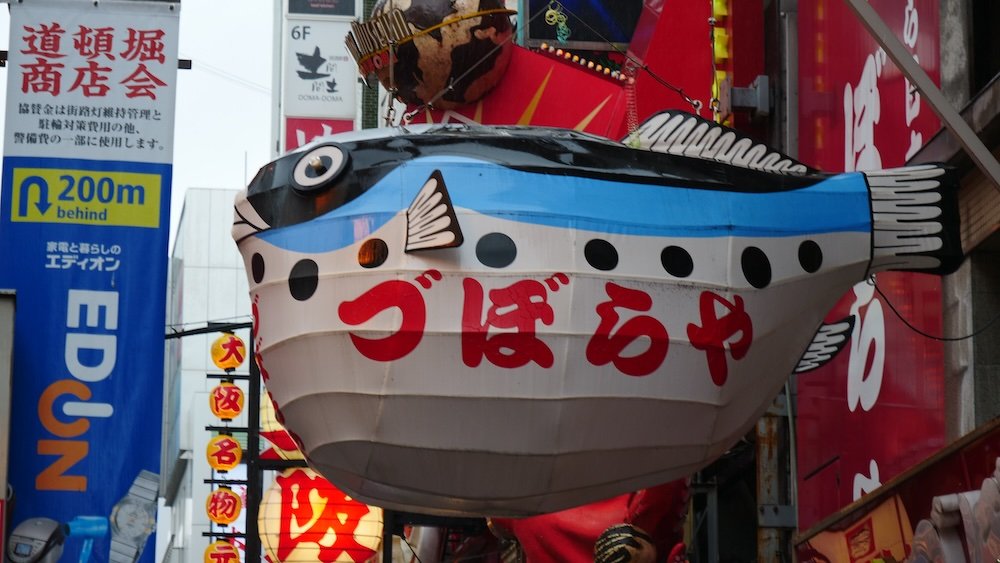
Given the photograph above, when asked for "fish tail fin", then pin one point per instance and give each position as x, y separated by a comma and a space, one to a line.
915, 222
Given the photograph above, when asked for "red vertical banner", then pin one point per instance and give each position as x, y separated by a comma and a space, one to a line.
877, 408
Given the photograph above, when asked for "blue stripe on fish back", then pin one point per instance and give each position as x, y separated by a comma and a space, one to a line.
837, 204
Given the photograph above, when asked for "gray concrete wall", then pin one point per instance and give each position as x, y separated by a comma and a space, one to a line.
956, 34
959, 383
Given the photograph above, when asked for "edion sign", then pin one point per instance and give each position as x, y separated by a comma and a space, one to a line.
91, 322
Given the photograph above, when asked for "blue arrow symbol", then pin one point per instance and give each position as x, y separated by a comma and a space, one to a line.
43, 195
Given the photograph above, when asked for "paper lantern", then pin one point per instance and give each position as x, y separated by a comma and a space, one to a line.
304, 518
223, 452
282, 444
226, 400
221, 552
511, 321
228, 352
223, 505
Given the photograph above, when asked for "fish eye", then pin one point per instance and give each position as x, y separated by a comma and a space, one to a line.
316, 169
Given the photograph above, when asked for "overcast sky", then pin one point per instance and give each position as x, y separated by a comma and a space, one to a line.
223, 118
223, 122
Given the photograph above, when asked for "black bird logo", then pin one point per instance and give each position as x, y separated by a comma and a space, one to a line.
311, 63
331, 86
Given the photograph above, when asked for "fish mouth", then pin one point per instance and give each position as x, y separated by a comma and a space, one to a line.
246, 221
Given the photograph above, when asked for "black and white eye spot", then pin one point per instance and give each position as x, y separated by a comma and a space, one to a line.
303, 279
601, 254
318, 167
677, 261
373, 253
496, 250
756, 267
257, 267
810, 256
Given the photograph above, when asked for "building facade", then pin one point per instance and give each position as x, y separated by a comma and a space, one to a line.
207, 287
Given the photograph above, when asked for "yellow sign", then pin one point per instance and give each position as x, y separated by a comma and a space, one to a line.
228, 352
223, 453
86, 197
226, 400
223, 506
221, 552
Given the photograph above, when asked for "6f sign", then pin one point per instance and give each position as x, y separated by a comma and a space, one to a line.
300, 32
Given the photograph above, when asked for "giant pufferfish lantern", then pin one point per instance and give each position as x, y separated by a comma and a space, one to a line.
445, 53
470, 320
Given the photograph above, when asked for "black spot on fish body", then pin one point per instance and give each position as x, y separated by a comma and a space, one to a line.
303, 279
677, 261
601, 254
496, 250
756, 267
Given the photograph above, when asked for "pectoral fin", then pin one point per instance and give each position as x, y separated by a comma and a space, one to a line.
826, 343
430, 220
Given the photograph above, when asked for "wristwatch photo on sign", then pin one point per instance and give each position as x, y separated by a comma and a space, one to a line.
133, 518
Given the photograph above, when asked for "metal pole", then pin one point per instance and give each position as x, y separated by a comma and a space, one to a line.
790, 27
255, 478
388, 523
768, 493
983, 158
712, 511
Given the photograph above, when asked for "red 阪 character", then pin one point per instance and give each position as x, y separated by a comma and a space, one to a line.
518, 306
227, 398
311, 508
605, 347
384, 296
715, 333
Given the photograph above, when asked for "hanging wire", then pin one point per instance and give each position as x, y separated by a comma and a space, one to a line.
713, 103
696, 104
631, 106
906, 322
390, 112
413, 550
